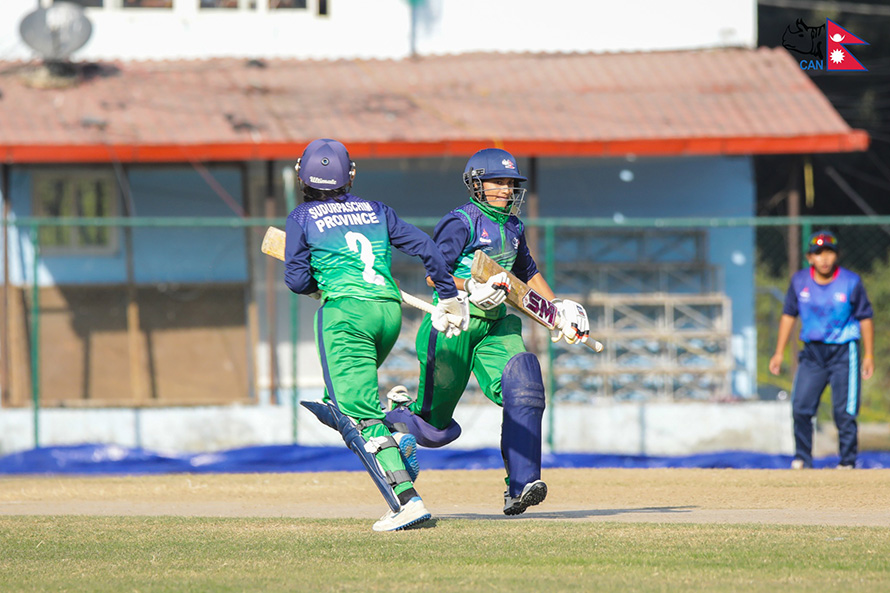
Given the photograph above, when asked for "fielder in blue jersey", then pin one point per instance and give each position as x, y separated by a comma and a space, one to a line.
836, 316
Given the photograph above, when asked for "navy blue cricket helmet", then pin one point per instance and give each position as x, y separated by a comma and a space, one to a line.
325, 164
493, 163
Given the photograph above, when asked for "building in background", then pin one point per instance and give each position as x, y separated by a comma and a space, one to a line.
389, 29
612, 118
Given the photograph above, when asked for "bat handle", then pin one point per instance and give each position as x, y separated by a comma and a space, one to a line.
416, 302
421, 304
594, 345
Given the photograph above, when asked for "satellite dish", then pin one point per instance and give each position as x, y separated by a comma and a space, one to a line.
56, 32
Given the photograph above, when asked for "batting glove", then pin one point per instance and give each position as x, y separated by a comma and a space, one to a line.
451, 316
488, 295
571, 323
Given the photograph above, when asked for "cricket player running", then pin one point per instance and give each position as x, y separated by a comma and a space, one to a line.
492, 347
338, 249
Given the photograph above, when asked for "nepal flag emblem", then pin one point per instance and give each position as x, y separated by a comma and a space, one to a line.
838, 57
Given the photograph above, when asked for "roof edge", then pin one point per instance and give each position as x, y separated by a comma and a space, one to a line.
852, 141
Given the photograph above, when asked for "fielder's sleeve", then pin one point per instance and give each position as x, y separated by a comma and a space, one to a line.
452, 235
791, 305
297, 261
413, 241
524, 267
861, 305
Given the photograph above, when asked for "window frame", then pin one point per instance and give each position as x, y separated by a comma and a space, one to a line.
74, 246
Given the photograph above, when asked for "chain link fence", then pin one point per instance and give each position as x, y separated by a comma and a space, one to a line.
183, 310
863, 247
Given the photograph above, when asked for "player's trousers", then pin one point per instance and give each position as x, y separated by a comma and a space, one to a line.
446, 363
820, 365
353, 338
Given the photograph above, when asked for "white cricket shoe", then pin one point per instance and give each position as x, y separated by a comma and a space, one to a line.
411, 513
532, 494
408, 448
398, 396
798, 463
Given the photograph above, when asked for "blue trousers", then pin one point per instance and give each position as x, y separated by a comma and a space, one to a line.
820, 365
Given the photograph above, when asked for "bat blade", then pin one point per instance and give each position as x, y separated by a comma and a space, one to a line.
521, 295
273, 243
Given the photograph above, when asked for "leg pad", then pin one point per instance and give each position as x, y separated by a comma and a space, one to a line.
523, 391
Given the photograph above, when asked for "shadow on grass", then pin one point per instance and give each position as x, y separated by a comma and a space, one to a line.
578, 514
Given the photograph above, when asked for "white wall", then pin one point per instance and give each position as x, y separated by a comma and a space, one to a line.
618, 428
455, 26
382, 28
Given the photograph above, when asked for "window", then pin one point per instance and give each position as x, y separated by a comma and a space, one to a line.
251, 4
204, 4
84, 3
148, 3
81, 194
225, 4
276, 4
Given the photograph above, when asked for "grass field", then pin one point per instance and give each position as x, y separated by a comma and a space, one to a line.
602, 530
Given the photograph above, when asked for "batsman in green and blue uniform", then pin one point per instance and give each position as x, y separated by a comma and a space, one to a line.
491, 348
338, 249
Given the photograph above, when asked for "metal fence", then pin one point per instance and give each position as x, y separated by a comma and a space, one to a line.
864, 245
687, 309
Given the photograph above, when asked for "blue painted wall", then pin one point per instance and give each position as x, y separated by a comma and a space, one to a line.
679, 187
657, 187
187, 254
161, 255
644, 187
613, 188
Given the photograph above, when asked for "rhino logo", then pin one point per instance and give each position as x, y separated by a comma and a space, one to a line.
805, 40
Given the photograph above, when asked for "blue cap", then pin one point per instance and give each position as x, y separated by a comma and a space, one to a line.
325, 164
822, 240
492, 163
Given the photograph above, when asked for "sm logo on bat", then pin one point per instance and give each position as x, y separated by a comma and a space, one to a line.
540, 308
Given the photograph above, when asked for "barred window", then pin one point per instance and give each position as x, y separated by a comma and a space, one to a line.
84, 3
251, 4
148, 4
82, 194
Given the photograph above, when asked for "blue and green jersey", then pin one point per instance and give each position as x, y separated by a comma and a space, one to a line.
467, 228
342, 247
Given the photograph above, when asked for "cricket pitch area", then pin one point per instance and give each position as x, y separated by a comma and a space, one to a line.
605, 530
695, 496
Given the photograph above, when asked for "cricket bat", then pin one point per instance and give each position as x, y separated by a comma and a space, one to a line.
273, 245
522, 296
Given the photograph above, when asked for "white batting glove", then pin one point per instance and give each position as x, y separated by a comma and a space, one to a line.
571, 324
451, 316
488, 295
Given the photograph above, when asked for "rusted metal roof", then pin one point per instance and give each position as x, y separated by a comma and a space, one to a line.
730, 101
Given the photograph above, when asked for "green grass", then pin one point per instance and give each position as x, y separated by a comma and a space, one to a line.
201, 554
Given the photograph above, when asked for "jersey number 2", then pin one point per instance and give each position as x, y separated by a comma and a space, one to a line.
359, 243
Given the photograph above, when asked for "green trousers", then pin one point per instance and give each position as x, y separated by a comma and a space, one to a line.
353, 338
446, 363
